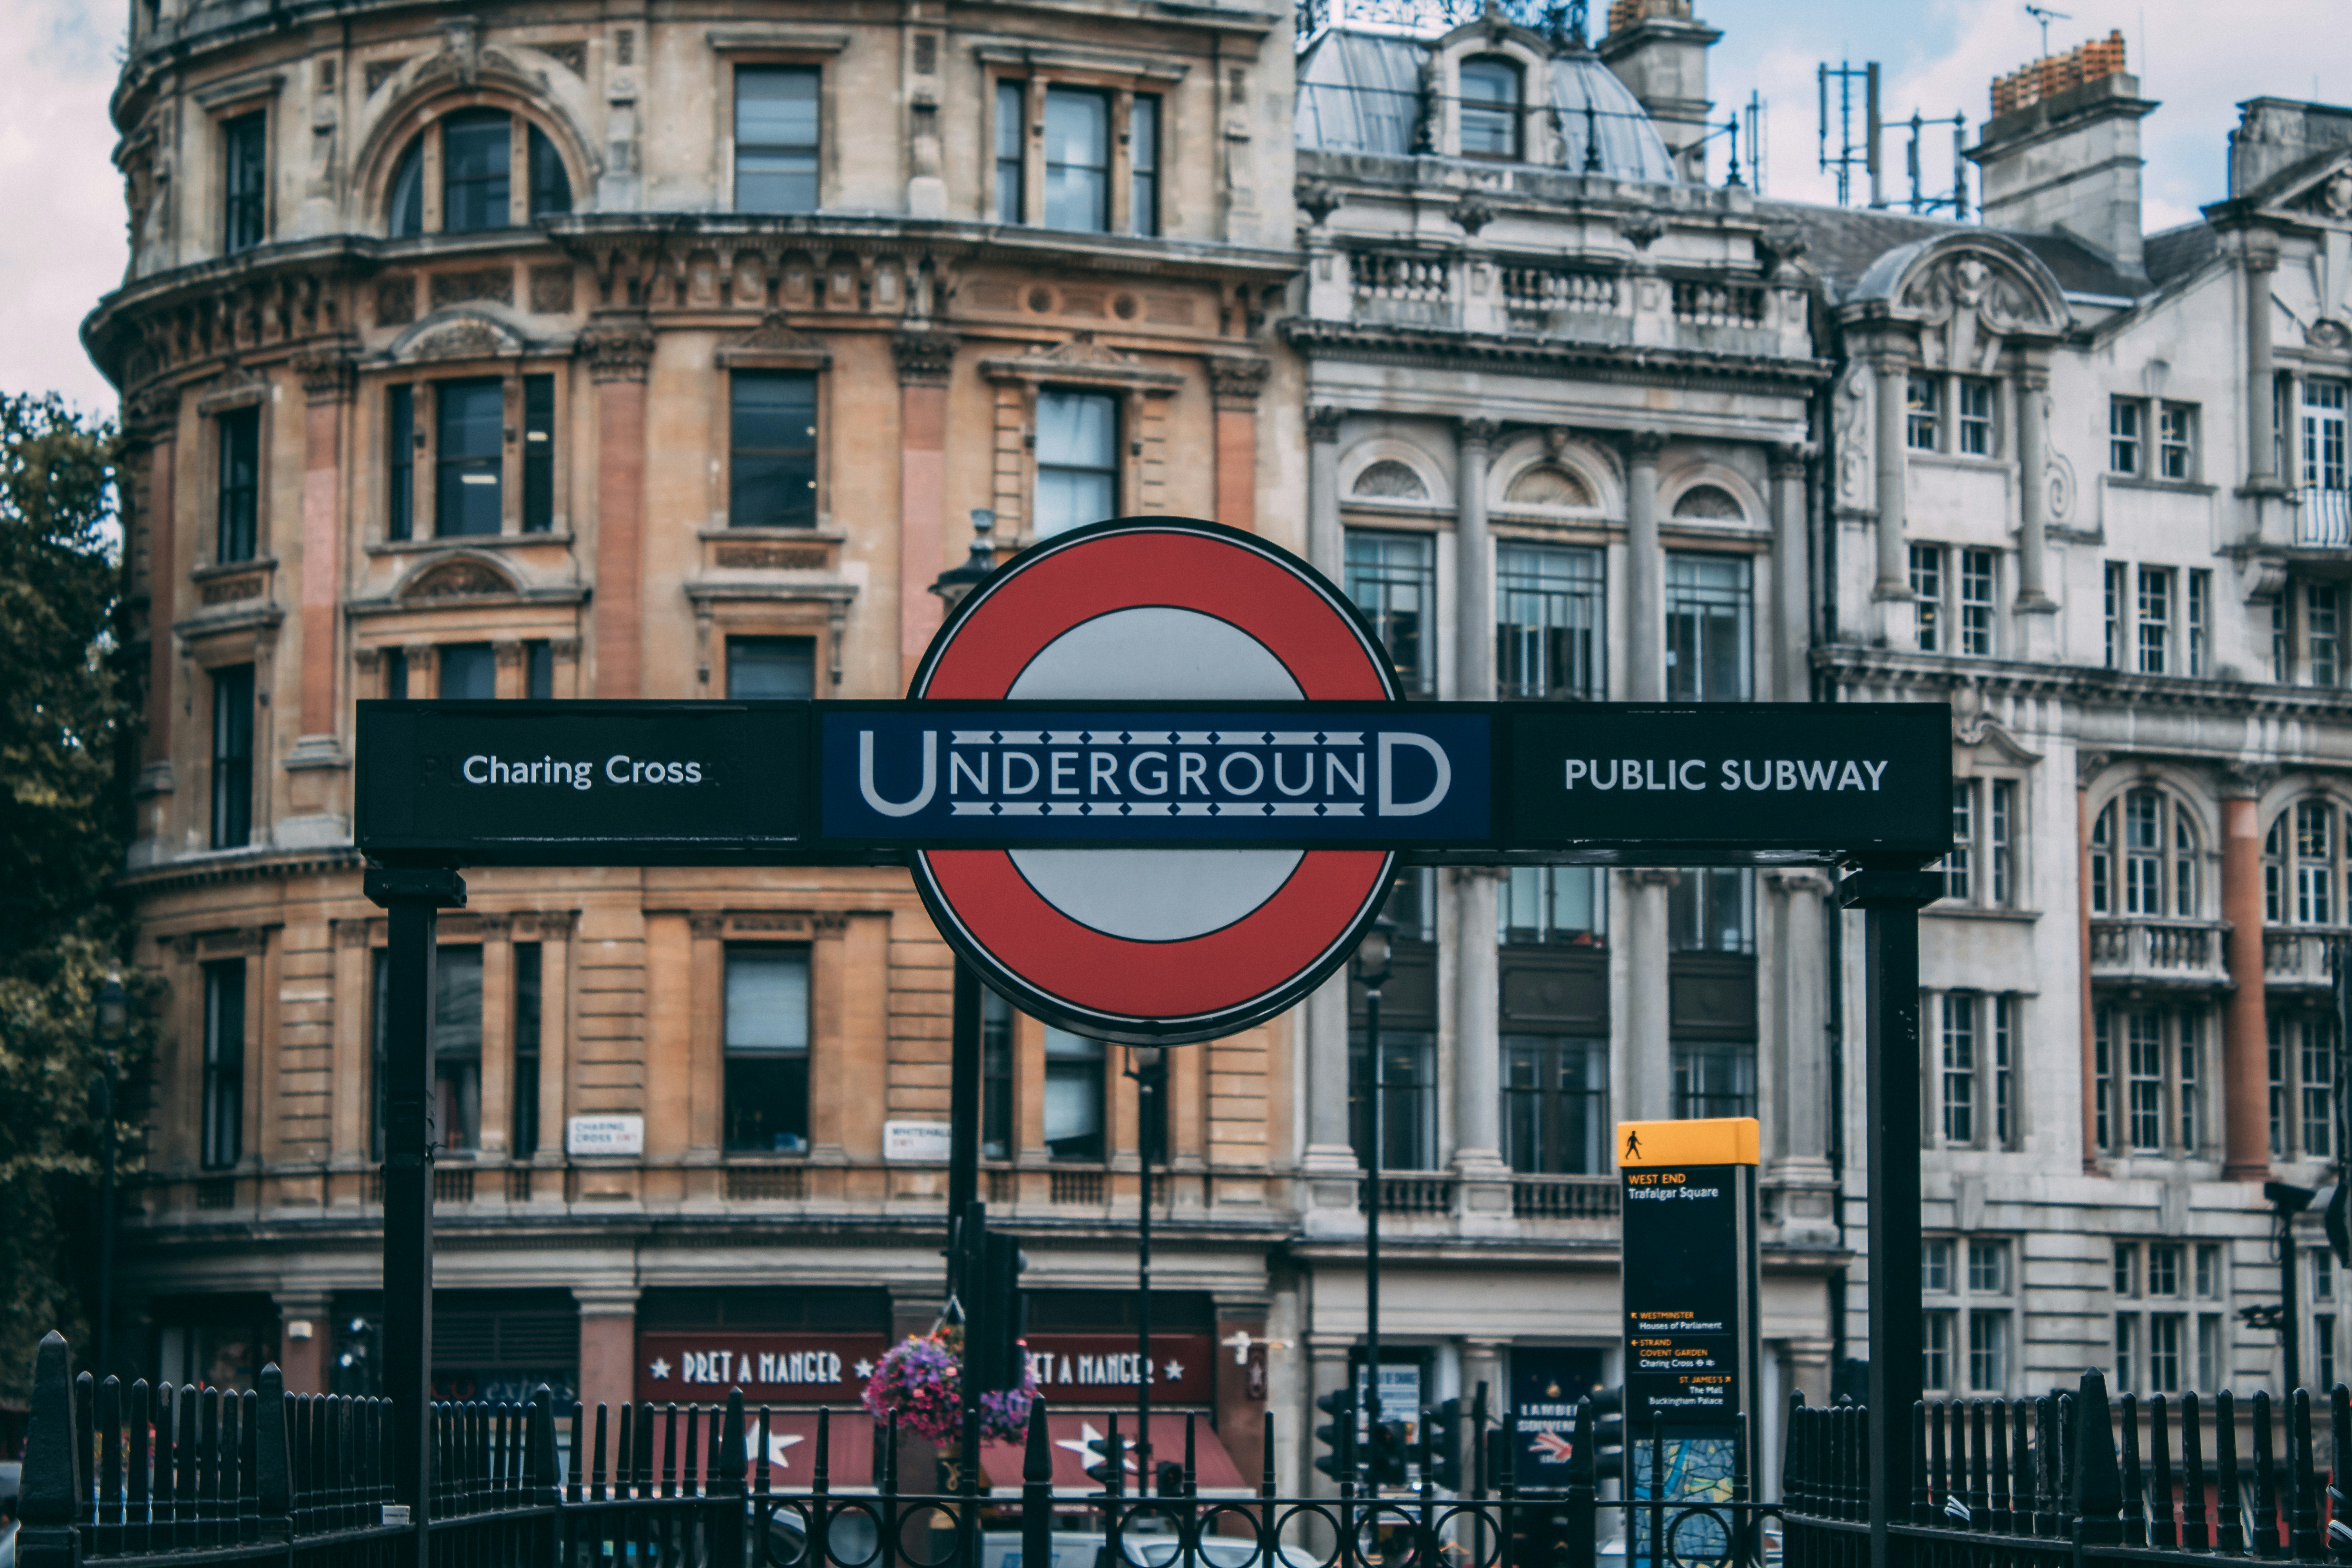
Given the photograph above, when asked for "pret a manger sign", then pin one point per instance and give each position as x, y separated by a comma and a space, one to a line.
1153, 779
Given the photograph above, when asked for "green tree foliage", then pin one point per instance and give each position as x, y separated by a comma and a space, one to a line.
65, 736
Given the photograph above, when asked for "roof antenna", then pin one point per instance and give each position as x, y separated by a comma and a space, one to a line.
2045, 15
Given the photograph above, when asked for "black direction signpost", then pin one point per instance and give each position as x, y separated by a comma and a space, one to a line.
1154, 719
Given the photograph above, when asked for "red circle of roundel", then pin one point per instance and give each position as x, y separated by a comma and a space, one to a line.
1116, 987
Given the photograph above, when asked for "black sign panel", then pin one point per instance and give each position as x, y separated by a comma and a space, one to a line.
1546, 1381
1732, 777
583, 782
594, 783
1684, 1280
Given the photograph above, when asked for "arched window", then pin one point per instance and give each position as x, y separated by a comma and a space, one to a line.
1389, 480
1710, 503
1545, 485
2143, 858
2302, 866
479, 151
1490, 109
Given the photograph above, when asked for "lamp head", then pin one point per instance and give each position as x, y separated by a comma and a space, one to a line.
2286, 1197
113, 1008
1374, 953
955, 583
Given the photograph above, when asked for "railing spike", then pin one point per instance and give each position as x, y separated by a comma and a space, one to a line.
2134, 1489
2195, 1532
2161, 1528
2300, 1477
2266, 1498
1998, 1519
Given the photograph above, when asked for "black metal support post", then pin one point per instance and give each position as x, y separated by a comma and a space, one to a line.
1372, 1402
411, 897
1890, 895
1147, 1066
104, 1360
963, 1116
2290, 1301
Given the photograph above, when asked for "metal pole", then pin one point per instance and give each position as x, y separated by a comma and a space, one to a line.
1146, 1101
2291, 1305
1890, 894
963, 1115
1372, 1234
410, 898
105, 1361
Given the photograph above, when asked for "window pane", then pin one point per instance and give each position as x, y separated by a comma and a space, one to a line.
1712, 909
469, 670
240, 482
404, 207
766, 999
1715, 1078
1011, 121
996, 1076
767, 1037
775, 139
773, 455
245, 147
1925, 419
469, 458
1143, 159
1553, 903
1927, 586
550, 184
1073, 1095
1556, 1105
771, 667
537, 453
1078, 160
1550, 622
524, 1097
1490, 110
1408, 1099
2123, 437
476, 149
1707, 629
1392, 578
400, 461
538, 670
1077, 460
457, 1046
224, 1065
232, 757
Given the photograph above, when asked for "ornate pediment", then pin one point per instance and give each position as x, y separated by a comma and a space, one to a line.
238, 387
1080, 359
458, 577
1970, 301
459, 334
776, 340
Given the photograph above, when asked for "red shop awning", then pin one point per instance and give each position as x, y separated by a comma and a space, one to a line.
1078, 1440
792, 1448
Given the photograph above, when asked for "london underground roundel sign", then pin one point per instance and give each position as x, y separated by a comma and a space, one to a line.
1154, 946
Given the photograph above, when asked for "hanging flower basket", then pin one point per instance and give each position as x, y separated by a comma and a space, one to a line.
921, 1381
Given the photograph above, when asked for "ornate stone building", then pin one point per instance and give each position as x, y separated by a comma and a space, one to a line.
571, 352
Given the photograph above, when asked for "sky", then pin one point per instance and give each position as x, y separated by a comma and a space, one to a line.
61, 215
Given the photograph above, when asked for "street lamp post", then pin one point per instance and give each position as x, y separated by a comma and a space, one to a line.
2286, 1201
113, 1017
1147, 1066
1372, 958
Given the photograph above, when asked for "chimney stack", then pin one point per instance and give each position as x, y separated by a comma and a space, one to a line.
1659, 52
2061, 150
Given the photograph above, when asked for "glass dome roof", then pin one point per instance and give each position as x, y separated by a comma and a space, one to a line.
1359, 91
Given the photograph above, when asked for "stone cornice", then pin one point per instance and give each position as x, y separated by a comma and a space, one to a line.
1428, 347
216, 870
2081, 684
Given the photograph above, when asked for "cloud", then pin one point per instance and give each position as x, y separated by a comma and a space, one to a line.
62, 244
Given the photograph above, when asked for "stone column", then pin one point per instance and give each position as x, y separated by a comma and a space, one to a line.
153, 416
1645, 572
1894, 408
608, 1343
555, 927
1474, 564
1234, 382
2034, 491
1482, 1362
1797, 1145
306, 1327
329, 381
2260, 259
1327, 1169
925, 361
1646, 1088
1485, 1186
2086, 766
618, 359
2245, 1038
1325, 543
1791, 574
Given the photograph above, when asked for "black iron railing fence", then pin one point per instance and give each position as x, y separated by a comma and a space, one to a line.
2010, 1484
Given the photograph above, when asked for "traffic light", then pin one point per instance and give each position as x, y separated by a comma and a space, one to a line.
1110, 1471
1168, 1479
1608, 1433
1388, 1452
1440, 1428
996, 1310
1338, 1434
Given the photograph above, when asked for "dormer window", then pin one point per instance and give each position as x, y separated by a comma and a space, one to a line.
1490, 109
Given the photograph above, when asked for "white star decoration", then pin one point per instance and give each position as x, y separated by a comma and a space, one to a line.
1175, 1372
864, 1369
1088, 1445
777, 1443
660, 1367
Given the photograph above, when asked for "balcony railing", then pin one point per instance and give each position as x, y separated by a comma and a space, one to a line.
2171, 952
1718, 304
2325, 520
1533, 298
2302, 956
1405, 288
1411, 1195
1564, 1197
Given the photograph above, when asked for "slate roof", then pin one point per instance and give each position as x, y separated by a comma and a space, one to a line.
1843, 243
2175, 252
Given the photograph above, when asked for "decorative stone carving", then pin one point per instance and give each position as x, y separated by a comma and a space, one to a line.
1389, 480
395, 301
378, 72
457, 579
233, 590
1479, 432
328, 376
152, 413
1853, 434
924, 358
617, 353
1318, 199
572, 56
351, 933
1976, 299
775, 334
704, 926
238, 387
2330, 337
1323, 423
1641, 228
771, 557
2244, 780
463, 340
1472, 213
1235, 380
551, 289
474, 285
1082, 350
2059, 477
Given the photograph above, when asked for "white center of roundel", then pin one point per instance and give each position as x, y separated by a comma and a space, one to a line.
1156, 652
